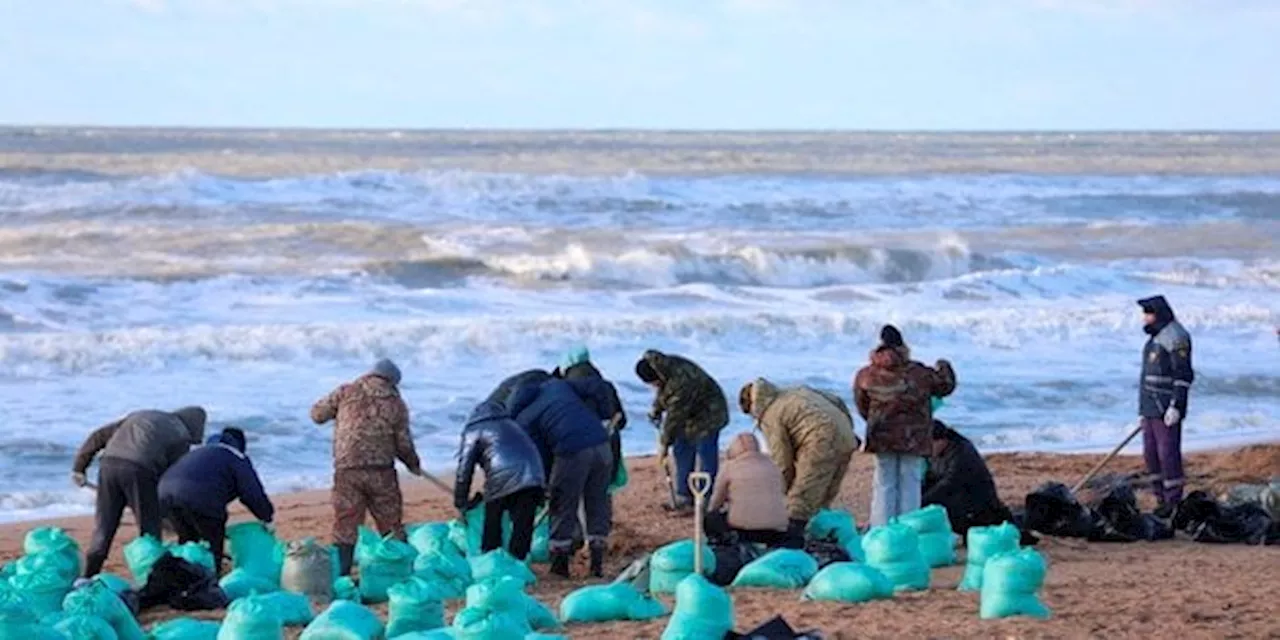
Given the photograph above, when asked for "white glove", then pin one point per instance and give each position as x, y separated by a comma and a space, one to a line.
79, 479
1172, 417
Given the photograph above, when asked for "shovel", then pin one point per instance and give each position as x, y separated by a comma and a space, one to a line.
699, 486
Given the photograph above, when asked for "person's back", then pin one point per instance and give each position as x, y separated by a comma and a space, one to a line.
153, 439
371, 427
690, 400
498, 445
751, 485
210, 477
893, 393
958, 478
502, 393
557, 418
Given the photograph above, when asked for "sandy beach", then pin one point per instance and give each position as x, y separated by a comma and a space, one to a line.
1142, 590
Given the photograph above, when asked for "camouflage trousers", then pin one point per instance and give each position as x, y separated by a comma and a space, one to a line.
361, 492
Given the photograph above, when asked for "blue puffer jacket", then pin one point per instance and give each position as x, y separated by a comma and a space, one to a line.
557, 418
210, 477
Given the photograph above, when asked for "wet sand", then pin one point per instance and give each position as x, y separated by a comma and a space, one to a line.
1174, 589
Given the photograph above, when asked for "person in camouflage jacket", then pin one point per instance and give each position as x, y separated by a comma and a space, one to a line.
893, 394
371, 432
691, 409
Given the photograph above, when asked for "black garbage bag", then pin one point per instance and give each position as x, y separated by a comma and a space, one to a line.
826, 550
182, 585
1052, 510
1205, 520
730, 559
1121, 520
775, 629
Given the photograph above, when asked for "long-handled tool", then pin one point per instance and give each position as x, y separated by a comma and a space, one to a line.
699, 486
1105, 461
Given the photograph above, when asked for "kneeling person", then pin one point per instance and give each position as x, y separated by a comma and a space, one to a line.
514, 479
959, 480
750, 486
195, 492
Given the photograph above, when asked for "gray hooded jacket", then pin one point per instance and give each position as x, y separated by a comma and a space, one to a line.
151, 439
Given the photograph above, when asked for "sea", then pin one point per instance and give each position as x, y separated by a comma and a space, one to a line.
252, 271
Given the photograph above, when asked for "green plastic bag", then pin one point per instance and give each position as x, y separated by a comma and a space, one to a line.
308, 569
543, 636
1011, 583
43, 591
484, 624
933, 532
196, 553
85, 628
430, 537
345, 620
839, 526
504, 594
17, 622
345, 588
241, 583
778, 569
702, 611
367, 543
387, 564
114, 582
293, 609
142, 554
849, 582
447, 571
620, 479
498, 564
9, 570
986, 543
415, 605
673, 563
936, 403
434, 634
255, 550
50, 563
58, 542
609, 603
251, 619
98, 600
540, 550
894, 550
540, 617
185, 629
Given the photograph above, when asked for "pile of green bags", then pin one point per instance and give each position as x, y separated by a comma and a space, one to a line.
19, 621
840, 526
985, 543
448, 571
431, 537
849, 582
778, 569
43, 590
184, 629
345, 620
97, 599
506, 596
57, 547
467, 535
43, 576
251, 619
894, 550
415, 605
384, 562
308, 569
141, 555
241, 583
933, 532
608, 603
673, 563
499, 564
1011, 583
255, 550
81, 627
702, 611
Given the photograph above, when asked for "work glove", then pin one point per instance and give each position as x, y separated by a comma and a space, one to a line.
79, 479
1172, 417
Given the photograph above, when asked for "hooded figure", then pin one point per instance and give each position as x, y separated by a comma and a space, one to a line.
503, 392
959, 480
603, 396
195, 492
894, 395
811, 440
370, 433
513, 475
690, 410
136, 451
1162, 399
752, 488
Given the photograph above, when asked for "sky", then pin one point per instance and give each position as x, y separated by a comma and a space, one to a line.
666, 64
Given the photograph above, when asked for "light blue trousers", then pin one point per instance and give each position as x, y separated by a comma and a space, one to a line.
897, 486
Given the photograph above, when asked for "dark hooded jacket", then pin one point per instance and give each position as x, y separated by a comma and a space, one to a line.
557, 418
959, 480
689, 402
599, 393
150, 439
497, 444
211, 477
502, 394
1166, 363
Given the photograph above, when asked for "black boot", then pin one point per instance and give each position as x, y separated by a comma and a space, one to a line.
560, 564
597, 559
346, 558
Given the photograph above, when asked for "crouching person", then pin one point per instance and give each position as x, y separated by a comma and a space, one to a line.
748, 499
811, 440
575, 445
959, 480
195, 492
514, 480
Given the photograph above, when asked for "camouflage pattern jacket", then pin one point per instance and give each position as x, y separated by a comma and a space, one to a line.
689, 402
372, 428
893, 395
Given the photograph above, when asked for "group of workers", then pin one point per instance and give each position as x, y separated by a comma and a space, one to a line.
554, 436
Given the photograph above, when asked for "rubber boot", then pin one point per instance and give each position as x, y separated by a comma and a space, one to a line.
560, 564
346, 558
597, 559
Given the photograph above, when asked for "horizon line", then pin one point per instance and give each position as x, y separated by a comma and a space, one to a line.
7, 126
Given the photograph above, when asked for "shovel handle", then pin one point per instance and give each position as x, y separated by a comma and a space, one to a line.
1110, 456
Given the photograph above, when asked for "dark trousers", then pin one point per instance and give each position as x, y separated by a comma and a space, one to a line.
121, 484
198, 527
687, 453
1162, 450
581, 478
717, 527
522, 507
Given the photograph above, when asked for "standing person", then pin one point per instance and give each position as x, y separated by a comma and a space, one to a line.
575, 446
603, 396
195, 492
370, 433
514, 479
893, 394
692, 410
751, 488
1162, 399
136, 451
811, 440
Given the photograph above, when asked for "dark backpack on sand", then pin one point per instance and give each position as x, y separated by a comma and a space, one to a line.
182, 585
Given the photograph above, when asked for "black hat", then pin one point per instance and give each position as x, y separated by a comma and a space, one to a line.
645, 371
890, 336
234, 437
